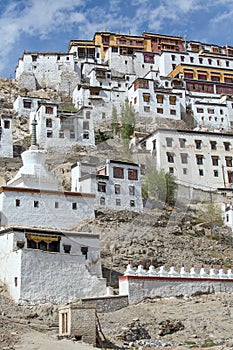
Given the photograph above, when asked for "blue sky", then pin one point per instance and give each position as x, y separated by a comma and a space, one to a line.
49, 25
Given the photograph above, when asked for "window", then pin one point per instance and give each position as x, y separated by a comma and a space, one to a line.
171, 170
227, 146
172, 100
213, 145
210, 110
118, 202
67, 248
201, 172
132, 203
169, 141
86, 135
173, 57
102, 201
214, 160
131, 190
198, 144
200, 110
117, 189
159, 98
172, 111
191, 59
170, 157
88, 115
160, 110
146, 97
34, 58
215, 173
199, 158
16, 281
135, 100
221, 111
74, 206
209, 61
27, 104
49, 134
228, 161
185, 171
84, 251
72, 135
61, 134
184, 158
146, 109
36, 204
114, 49
56, 205
200, 60
182, 143
118, 173
132, 174
227, 63
17, 202
7, 124
48, 110
101, 186
182, 58
49, 123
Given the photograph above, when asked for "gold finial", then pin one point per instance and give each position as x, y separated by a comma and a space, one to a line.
105, 29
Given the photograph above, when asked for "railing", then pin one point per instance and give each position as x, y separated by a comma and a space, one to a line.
162, 272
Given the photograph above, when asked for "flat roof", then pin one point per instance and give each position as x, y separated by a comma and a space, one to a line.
40, 230
41, 191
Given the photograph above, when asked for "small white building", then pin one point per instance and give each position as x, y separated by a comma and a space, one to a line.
116, 184
198, 159
33, 198
63, 130
50, 266
24, 105
6, 139
54, 70
41, 261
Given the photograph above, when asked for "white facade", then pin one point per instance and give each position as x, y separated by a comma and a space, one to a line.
41, 266
32, 198
63, 130
50, 69
116, 184
197, 159
6, 139
24, 105
149, 100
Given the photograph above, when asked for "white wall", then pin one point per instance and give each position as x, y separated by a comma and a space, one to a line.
57, 278
138, 288
45, 215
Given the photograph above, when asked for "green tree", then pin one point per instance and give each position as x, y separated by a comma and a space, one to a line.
115, 126
210, 215
159, 185
127, 121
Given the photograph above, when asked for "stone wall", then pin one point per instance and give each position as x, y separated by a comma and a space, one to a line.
138, 288
78, 321
107, 303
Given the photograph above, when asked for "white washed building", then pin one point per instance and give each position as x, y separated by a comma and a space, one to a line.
24, 105
48, 70
41, 261
44, 265
63, 130
116, 184
198, 159
32, 198
6, 139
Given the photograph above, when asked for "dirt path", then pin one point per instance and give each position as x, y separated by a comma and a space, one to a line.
35, 340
